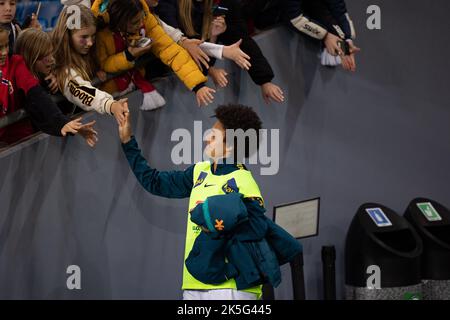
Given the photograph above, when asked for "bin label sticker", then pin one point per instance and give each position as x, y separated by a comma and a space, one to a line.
412, 296
429, 211
379, 217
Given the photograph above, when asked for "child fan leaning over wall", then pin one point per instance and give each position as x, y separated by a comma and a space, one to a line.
162, 46
75, 65
118, 49
36, 49
20, 88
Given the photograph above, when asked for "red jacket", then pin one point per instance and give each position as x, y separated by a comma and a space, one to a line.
16, 80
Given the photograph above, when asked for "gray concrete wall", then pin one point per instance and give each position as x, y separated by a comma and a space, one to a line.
379, 135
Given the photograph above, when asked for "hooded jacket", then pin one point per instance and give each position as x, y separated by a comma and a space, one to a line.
163, 47
237, 244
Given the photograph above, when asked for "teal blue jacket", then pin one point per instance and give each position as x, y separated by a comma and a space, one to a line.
251, 249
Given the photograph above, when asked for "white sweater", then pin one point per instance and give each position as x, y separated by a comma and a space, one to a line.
84, 95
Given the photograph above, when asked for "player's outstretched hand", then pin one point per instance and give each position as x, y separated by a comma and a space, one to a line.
125, 129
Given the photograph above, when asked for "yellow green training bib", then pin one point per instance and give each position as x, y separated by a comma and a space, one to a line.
207, 184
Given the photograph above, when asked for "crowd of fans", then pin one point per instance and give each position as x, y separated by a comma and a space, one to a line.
117, 37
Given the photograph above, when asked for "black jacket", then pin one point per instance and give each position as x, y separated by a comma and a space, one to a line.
45, 115
329, 14
260, 71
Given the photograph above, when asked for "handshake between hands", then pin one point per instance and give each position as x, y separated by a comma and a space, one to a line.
125, 128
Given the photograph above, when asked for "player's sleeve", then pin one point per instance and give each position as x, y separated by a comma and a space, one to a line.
168, 184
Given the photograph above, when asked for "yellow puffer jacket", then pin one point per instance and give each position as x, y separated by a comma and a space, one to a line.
110, 61
163, 47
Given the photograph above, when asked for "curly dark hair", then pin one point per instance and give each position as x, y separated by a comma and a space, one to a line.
238, 116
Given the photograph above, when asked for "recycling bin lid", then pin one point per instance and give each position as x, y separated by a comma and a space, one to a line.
432, 219
389, 230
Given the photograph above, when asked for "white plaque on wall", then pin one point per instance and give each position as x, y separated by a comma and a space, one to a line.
300, 219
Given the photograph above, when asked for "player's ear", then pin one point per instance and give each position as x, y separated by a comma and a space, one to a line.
228, 150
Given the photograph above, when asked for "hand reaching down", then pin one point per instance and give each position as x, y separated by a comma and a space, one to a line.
199, 56
71, 127
271, 91
205, 96
219, 76
349, 61
89, 134
235, 54
331, 43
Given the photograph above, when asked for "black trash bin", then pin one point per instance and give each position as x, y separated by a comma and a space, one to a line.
432, 222
382, 256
